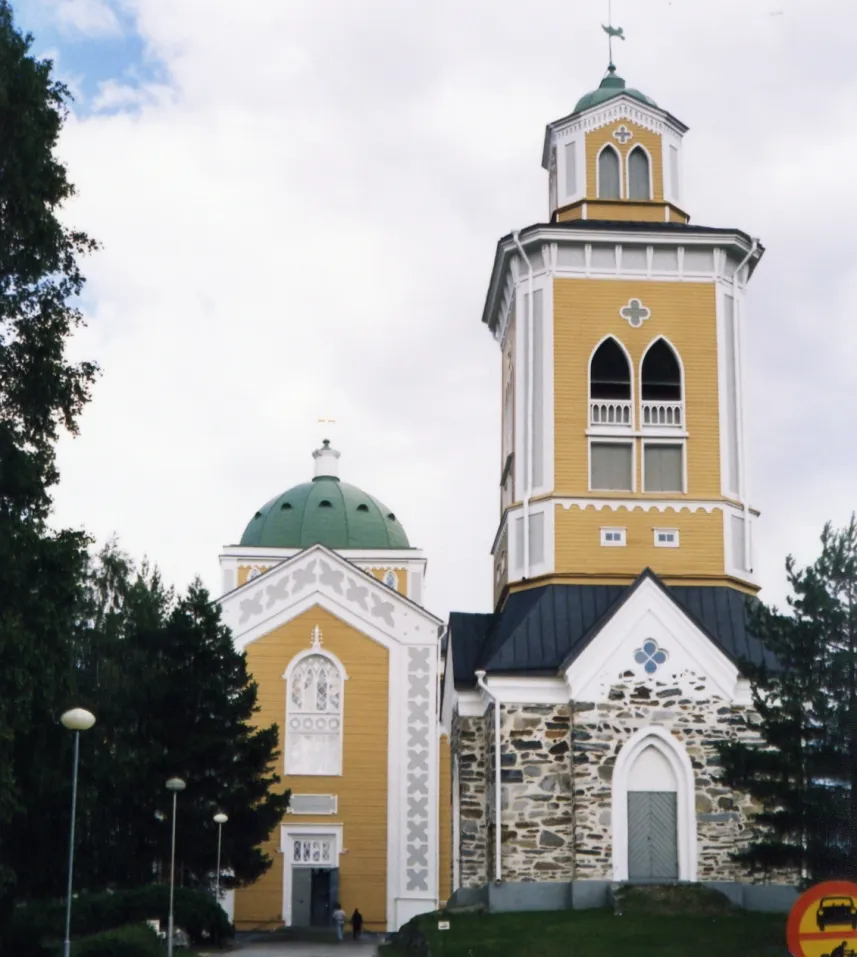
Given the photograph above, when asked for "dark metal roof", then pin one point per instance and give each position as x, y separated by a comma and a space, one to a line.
542, 630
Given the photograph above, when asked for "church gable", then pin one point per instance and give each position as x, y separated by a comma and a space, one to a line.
320, 576
649, 638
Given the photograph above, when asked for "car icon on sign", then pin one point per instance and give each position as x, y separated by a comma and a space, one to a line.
836, 911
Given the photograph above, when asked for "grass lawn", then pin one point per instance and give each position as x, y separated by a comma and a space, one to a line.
600, 933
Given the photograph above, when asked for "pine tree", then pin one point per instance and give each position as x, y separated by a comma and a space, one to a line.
173, 698
803, 770
41, 393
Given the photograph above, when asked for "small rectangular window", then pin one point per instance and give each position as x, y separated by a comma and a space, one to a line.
612, 466
663, 468
666, 538
613, 536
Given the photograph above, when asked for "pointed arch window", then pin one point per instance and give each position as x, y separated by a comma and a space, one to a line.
609, 178
639, 178
661, 374
315, 686
610, 385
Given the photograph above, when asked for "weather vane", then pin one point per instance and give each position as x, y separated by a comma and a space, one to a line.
611, 31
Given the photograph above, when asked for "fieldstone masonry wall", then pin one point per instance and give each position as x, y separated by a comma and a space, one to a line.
537, 796
468, 743
557, 765
695, 716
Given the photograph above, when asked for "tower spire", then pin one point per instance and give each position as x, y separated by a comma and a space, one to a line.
611, 32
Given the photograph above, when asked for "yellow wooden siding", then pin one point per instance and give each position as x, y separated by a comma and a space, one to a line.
244, 571
401, 573
444, 856
678, 215
587, 310
625, 578
619, 210
362, 787
596, 139
579, 548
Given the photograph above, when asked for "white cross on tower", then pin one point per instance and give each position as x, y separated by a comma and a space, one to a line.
623, 134
315, 638
635, 312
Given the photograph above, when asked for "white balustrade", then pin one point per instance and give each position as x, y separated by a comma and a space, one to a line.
662, 415
611, 413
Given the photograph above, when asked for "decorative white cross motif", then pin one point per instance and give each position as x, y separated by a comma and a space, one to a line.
623, 134
315, 637
635, 312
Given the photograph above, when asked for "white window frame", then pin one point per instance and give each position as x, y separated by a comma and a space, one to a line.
622, 192
639, 146
610, 440
287, 676
665, 440
666, 531
620, 543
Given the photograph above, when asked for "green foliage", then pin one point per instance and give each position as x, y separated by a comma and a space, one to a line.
592, 933
136, 940
173, 698
38, 926
41, 393
803, 774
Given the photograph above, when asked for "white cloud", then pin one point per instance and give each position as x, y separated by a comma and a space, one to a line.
93, 18
305, 226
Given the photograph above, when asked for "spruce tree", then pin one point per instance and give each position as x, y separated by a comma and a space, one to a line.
802, 772
41, 394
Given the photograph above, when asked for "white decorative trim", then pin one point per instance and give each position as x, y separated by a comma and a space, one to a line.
666, 340
522, 690
456, 825
614, 537
288, 832
471, 704
418, 775
631, 380
640, 505
674, 752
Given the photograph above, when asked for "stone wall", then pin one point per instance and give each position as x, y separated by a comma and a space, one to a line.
537, 797
695, 716
469, 743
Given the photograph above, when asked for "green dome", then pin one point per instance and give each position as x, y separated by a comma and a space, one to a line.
610, 87
326, 512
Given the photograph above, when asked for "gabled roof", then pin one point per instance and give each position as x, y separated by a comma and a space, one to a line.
542, 630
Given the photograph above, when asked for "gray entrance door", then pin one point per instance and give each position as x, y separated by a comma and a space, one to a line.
652, 836
301, 896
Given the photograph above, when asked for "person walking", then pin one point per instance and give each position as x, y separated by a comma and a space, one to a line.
356, 923
339, 918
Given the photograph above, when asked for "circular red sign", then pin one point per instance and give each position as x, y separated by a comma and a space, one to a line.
823, 921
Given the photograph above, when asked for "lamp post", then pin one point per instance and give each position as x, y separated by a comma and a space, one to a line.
175, 785
220, 819
76, 720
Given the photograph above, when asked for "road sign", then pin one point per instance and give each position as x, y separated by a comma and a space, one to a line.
823, 921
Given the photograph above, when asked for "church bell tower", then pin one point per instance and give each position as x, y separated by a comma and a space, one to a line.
621, 329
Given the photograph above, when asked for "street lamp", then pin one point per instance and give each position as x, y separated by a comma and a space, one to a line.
77, 720
219, 819
175, 785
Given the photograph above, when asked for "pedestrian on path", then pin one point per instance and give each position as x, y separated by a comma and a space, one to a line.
356, 923
339, 918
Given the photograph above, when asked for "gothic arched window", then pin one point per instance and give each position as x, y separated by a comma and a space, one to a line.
609, 372
608, 174
639, 186
661, 374
314, 716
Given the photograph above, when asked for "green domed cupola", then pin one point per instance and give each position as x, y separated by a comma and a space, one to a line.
325, 512
611, 86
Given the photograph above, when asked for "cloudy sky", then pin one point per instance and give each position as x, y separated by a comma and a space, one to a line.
299, 202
